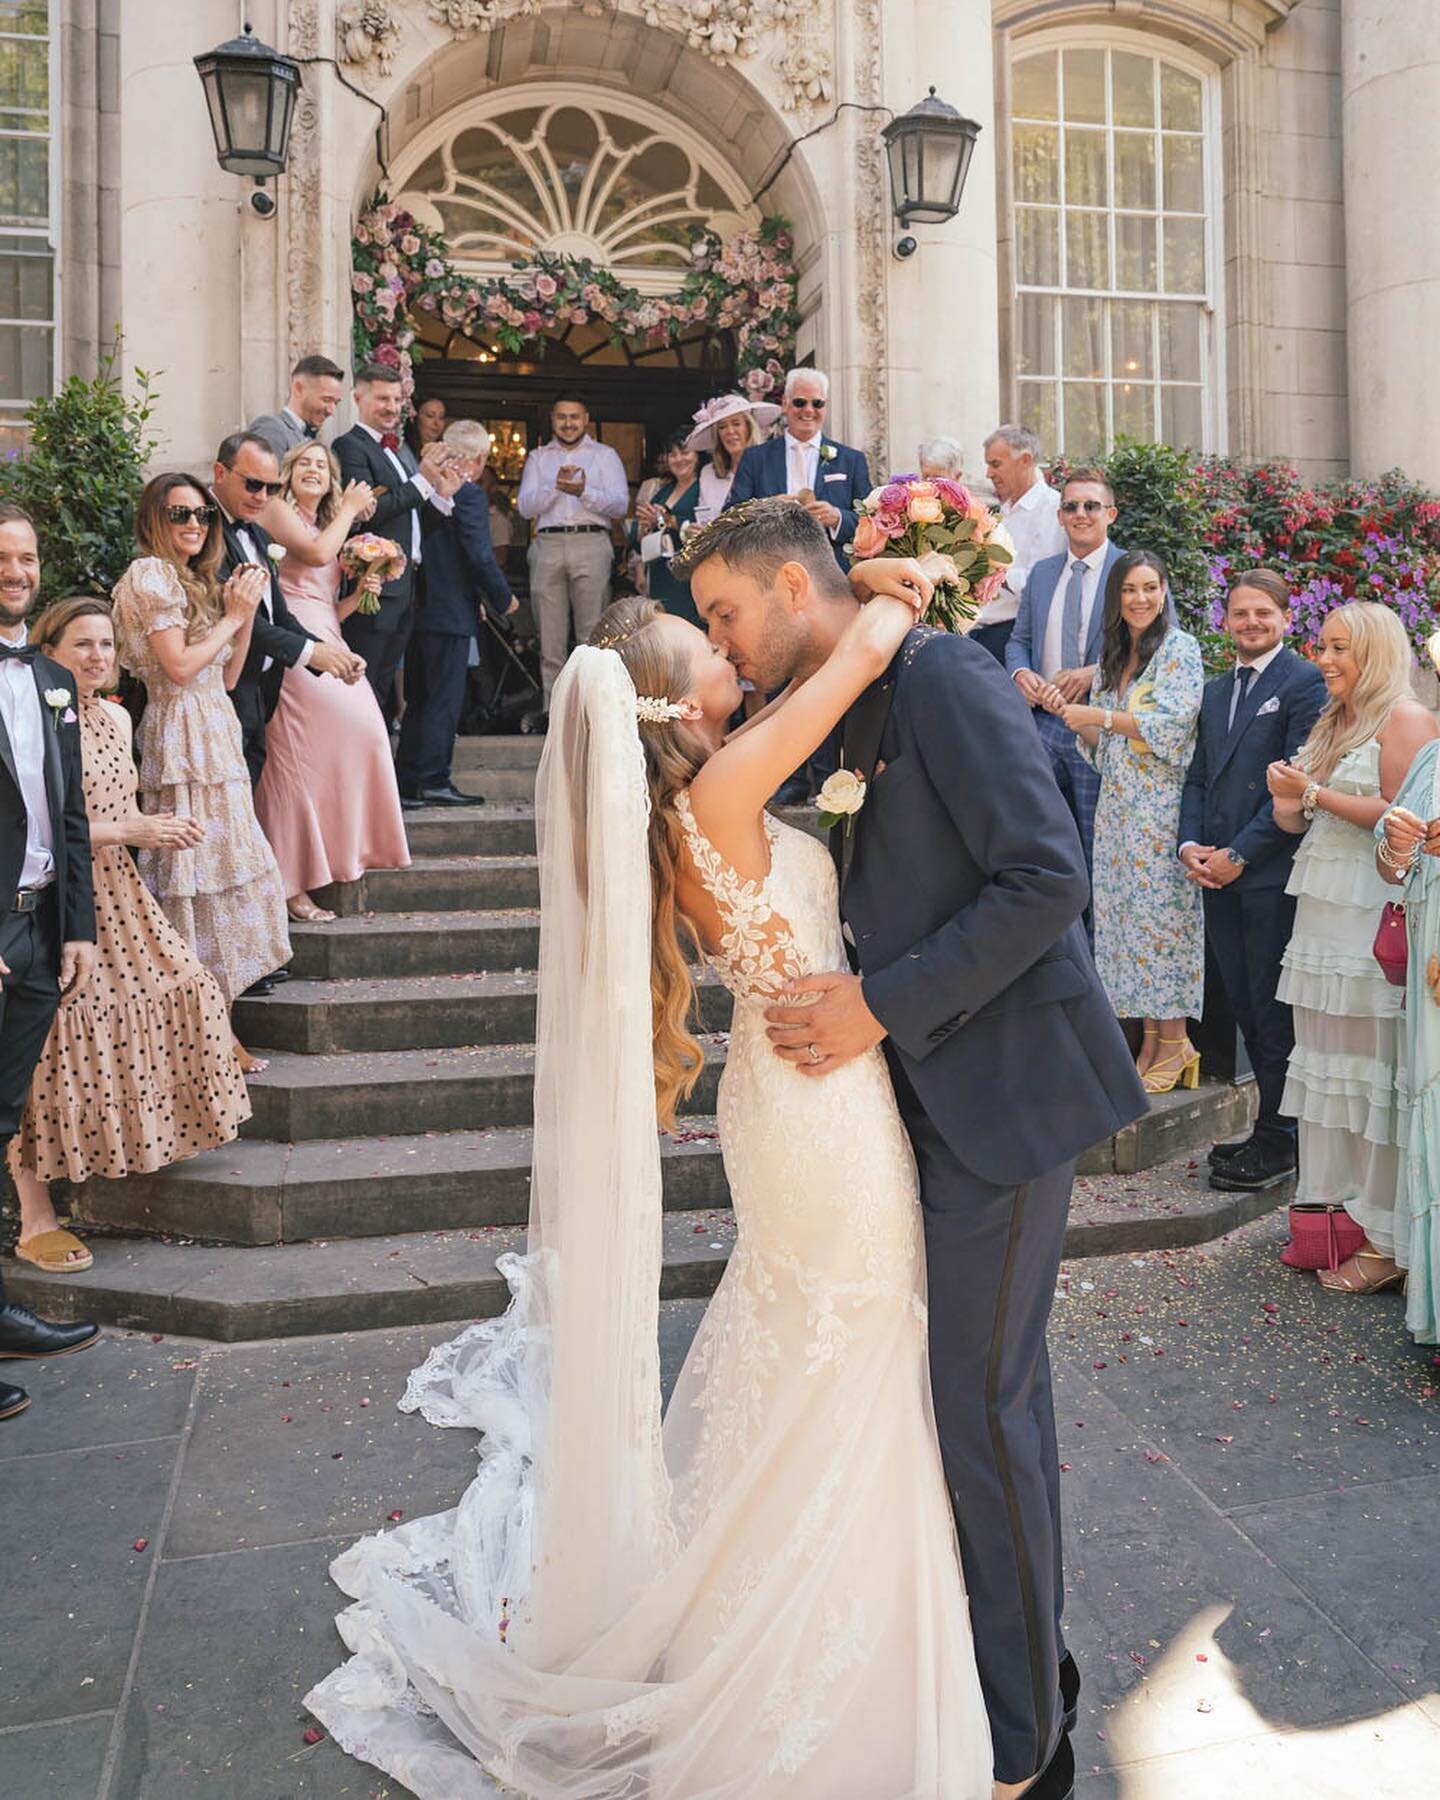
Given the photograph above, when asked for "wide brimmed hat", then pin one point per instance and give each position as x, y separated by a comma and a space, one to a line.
726, 406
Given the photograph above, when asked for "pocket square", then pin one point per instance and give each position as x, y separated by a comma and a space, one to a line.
841, 476
1272, 705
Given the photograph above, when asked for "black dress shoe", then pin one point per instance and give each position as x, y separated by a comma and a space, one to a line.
1069, 1690
12, 1400
1257, 1167
1223, 1153
411, 803
257, 990
449, 795
23, 1335
1056, 1781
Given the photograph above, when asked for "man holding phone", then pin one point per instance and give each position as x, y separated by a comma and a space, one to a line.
573, 489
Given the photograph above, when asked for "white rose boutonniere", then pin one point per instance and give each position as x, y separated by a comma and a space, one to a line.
61, 711
827, 452
276, 553
841, 798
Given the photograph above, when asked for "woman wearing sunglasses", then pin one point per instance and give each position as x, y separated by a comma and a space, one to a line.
186, 639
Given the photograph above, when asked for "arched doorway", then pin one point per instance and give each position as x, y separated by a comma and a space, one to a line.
563, 169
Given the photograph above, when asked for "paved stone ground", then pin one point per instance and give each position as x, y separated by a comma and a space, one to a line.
1251, 1472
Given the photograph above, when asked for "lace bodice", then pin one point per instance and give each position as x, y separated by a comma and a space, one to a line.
779, 927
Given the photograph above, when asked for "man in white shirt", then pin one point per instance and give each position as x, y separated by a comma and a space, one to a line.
1030, 508
574, 489
316, 385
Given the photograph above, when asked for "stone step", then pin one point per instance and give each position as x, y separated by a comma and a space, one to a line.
262, 1192
491, 785
505, 829
415, 943
230, 1294
409, 1013
438, 883
298, 1098
511, 751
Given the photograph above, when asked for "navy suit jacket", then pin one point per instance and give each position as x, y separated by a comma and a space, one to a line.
277, 633
361, 459
69, 828
964, 884
461, 573
843, 481
1225, 800
1046, 580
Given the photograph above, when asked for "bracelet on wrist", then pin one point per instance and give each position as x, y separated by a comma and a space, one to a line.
1310, 800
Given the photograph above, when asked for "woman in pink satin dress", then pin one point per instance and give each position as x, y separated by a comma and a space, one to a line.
327, 801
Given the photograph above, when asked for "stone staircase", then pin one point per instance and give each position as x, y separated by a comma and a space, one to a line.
387, 1163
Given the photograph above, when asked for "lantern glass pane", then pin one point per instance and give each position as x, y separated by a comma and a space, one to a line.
247, 105
941, 172
214, 99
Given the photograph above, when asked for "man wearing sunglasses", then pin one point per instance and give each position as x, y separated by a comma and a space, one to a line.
245, 479
1055, 645
829, 479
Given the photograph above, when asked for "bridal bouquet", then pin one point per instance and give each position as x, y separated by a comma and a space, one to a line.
909, 516
368, 554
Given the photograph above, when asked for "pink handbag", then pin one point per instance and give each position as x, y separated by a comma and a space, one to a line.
1392, 944
1321, 1237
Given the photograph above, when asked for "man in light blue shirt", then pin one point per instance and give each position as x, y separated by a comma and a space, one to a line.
573, 490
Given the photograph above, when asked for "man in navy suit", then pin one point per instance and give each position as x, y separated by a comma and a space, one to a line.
1058, 633
462, 578
830, 478
373, 451
962, 887
1258, 713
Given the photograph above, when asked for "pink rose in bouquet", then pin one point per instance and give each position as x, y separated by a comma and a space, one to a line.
371, 560
941, 524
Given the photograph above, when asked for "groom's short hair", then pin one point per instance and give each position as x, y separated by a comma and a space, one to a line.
759, 537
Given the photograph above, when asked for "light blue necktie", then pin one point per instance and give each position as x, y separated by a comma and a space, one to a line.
1070, 657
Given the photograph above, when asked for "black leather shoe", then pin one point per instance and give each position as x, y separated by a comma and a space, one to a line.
1056, 1781
257, 990
23, 1335
12, 1400
449, 795
1258, 1166
410, 803
1223, 1153
276, 976
1069, 1690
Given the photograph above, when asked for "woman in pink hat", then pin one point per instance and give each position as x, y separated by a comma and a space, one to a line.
726, 427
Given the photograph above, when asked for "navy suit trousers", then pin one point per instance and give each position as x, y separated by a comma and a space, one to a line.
1249, 929
435, 668
993, 1256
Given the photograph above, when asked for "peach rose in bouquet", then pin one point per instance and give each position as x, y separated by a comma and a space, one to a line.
907, 516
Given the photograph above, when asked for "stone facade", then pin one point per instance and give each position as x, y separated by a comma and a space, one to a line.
1320, 103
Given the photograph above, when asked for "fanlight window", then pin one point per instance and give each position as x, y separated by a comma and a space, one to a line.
571, 179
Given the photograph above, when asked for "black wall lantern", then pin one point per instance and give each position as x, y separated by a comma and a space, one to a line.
250, 90
929, 150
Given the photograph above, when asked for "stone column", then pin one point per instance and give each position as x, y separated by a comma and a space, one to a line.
1390, 97
197, 266
943, 302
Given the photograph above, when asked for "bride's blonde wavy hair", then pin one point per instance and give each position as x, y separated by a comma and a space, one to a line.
673, 756
1382, 652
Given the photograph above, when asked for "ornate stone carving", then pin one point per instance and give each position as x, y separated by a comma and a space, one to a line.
304, 270
806, 70
367, 34
465, 16
872, 214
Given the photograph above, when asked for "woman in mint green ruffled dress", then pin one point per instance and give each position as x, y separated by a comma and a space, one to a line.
1409, 856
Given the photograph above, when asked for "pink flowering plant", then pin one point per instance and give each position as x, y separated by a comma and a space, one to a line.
909, 516
400, 269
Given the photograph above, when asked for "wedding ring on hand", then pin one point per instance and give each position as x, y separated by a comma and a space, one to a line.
813, 1054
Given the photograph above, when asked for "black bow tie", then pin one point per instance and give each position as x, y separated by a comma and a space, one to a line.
25, 654
310, 430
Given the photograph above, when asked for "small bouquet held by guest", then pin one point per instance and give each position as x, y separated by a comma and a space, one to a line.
371, 561
909, 516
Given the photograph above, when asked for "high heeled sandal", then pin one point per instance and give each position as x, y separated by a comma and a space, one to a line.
249, 1065
1164, 1075
308, 913
1336, 1281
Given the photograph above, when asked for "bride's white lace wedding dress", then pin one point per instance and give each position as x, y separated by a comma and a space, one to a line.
801, 1627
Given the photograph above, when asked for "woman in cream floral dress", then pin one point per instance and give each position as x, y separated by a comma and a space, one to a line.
187, 641
1139, 731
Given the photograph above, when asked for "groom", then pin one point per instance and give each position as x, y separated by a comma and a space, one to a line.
963, 884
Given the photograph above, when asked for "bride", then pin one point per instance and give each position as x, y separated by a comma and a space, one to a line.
764, 1597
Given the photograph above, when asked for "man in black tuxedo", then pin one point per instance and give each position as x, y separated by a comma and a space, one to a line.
47, 907
962, 886
373, 451
245, 480
1232, 847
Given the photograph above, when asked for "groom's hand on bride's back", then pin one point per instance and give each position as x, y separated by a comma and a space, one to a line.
825, 1025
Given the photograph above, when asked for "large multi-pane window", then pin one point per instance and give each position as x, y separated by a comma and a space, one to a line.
1110, 153
27, 220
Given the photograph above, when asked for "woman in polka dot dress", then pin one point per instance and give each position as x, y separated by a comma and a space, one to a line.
140, 1068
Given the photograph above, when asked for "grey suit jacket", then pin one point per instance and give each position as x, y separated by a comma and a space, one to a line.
278, 432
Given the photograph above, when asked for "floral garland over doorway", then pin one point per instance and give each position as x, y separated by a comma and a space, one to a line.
746, 285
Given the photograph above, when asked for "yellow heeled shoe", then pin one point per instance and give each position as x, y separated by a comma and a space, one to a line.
1165, 1074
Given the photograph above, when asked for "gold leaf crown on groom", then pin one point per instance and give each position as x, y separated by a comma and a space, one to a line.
770, 526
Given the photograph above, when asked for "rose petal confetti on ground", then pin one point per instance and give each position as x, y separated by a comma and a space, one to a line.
141, 1544
312, 1734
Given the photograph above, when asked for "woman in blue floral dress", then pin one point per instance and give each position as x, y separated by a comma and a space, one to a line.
1139, 731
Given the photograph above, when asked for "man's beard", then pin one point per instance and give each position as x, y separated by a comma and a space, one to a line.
9, 603
780, 653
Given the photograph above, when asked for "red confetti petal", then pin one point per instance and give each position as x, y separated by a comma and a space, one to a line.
1064, 1468
395, 1517
312, 1734
1097, 1365
1223, 1440
141, 1544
